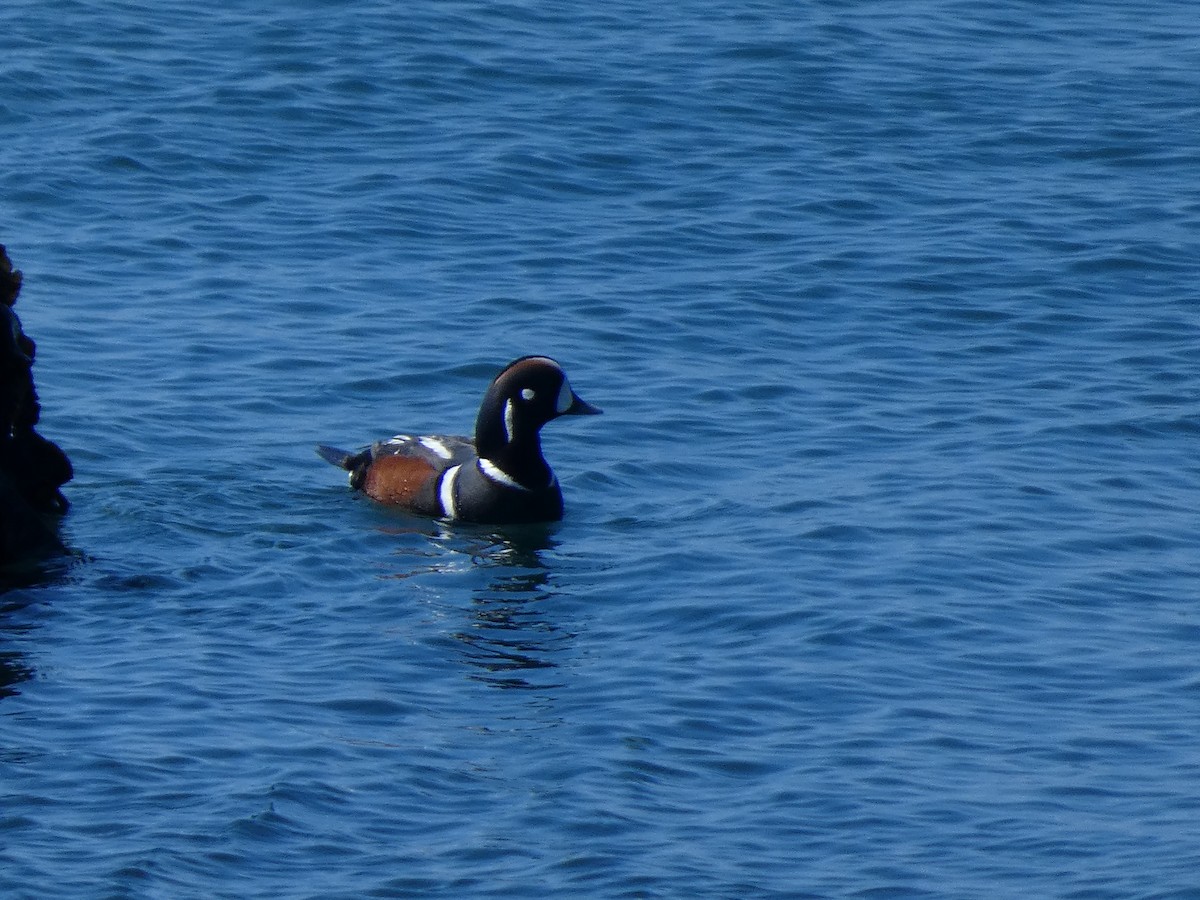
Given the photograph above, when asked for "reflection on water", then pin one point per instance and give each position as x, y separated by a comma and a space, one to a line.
17, 584
508, 636
508, 632
13, 671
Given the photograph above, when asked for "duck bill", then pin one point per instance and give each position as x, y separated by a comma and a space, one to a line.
580, 407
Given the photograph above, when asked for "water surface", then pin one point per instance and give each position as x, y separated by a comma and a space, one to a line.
877, 576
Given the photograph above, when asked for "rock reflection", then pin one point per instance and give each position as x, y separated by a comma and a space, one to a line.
13, 671
18, 592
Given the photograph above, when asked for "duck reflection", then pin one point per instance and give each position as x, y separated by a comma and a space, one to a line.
507, 636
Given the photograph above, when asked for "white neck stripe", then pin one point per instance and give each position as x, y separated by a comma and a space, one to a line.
446, 492
498, 475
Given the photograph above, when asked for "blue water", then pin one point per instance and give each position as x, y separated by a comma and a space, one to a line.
879, 576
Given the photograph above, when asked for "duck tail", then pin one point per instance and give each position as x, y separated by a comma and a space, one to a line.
343, 459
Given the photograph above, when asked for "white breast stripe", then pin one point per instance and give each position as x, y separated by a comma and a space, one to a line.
508, 419
498, 475
446, 492
435, 446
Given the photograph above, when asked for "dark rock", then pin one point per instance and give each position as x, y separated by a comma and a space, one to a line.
32, 469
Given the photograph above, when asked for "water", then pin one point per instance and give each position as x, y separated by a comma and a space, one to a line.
878, 575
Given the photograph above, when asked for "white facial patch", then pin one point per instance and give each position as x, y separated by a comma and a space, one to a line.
446, 492
435, 446
527, 394
565, 397
508, 420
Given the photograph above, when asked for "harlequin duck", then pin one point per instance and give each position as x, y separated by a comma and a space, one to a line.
500, 477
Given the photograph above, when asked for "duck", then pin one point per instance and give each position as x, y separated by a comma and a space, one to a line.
497, 477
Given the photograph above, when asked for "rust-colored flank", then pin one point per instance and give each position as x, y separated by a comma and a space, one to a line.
398, 479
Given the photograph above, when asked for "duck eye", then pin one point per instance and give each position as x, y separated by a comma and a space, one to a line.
527, 394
